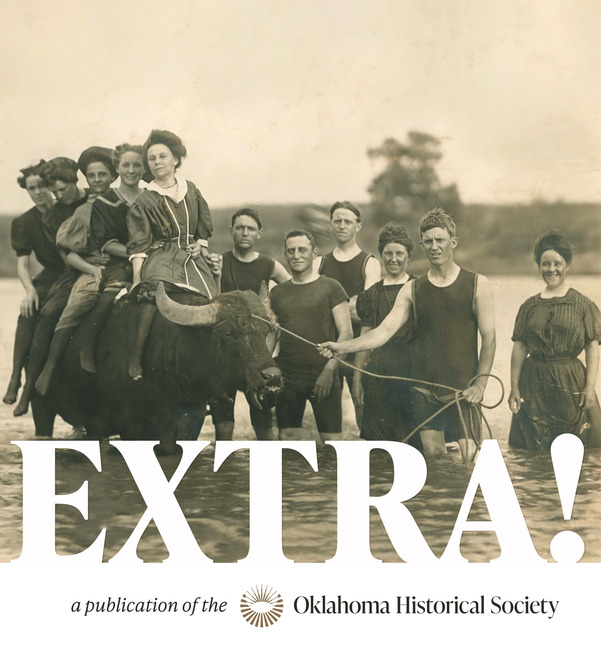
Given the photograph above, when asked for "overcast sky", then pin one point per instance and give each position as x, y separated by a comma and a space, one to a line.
278, 101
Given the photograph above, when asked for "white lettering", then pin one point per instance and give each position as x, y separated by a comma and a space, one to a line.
507, 520
162, 506
265, 492
40, 499
354, 502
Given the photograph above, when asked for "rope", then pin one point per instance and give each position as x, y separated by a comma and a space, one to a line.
471, 431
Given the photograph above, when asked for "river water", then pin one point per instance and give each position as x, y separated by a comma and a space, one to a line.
216, 504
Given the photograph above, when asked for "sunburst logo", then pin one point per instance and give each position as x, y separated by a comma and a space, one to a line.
261, 606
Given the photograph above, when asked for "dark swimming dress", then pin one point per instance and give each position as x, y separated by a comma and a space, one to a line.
108, 224
28, 235
387, 410
160, 228
555, 331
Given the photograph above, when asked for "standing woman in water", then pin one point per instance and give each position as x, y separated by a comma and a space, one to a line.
551, 391
169, 225
386, 404
28, 236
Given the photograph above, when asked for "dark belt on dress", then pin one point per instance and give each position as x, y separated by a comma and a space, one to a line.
551, 360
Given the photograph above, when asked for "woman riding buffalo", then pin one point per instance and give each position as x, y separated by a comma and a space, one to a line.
551, 391
28, 236
73, 240
109, 234
94, 241
169, 225
60, 175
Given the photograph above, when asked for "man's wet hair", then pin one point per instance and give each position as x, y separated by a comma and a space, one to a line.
301, 232
346, 204
437, 217
251, 213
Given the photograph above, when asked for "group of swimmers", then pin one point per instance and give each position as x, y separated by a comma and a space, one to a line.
438, 329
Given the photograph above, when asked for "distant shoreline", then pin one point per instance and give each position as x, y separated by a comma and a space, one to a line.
493, 239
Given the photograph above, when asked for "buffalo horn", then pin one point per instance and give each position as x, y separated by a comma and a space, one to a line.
202, 316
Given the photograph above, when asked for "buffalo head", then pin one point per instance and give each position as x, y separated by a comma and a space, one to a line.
238, 356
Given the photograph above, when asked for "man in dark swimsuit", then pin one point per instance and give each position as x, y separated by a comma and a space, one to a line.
451, 306
246, 269
353, 268
315, 308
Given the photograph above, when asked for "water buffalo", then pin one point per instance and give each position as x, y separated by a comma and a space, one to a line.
194, 352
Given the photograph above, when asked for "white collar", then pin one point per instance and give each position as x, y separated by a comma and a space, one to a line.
182, 189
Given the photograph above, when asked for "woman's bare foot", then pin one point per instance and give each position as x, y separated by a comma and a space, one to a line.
22, 408
12, 391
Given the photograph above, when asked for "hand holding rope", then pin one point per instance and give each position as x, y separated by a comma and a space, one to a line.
471, 430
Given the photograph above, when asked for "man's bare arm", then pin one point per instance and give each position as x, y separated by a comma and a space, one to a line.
399, 315
373, 273
342, 319
279, 274
360, 361
485, 314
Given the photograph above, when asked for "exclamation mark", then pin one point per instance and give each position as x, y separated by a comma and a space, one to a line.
567, 452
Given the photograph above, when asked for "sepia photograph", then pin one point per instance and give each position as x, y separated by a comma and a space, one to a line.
299, 319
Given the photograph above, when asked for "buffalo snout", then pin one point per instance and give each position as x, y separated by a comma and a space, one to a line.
272, 376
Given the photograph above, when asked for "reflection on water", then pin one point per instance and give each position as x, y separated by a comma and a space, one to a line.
216, 504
